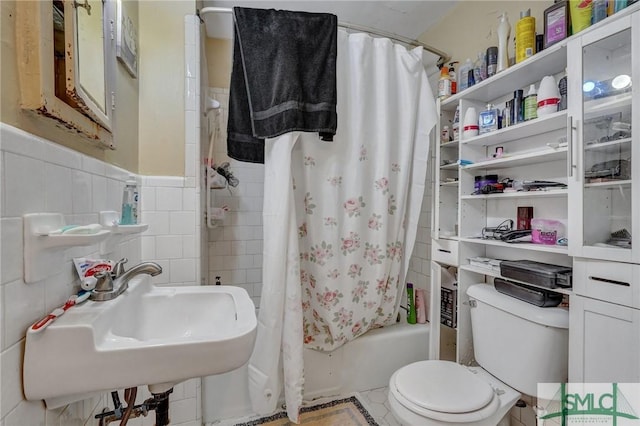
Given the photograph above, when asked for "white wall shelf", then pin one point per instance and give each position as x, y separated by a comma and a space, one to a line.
43, 254
109, 220
609, 147
522, 159
603, 106
451, 166
493, 274
521, 194
536, 67
609, 184
452, 144
548, 123
517, 246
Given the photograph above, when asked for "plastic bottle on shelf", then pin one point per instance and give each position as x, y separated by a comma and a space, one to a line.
525, 36
479, 69
598, 11
444, 84
130, 199
504, 29
455, 125
411, 305
531, 104
452, 77
463, 81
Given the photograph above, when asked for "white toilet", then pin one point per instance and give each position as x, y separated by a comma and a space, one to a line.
517, 346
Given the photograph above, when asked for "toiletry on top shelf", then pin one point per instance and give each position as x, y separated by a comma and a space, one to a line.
444, 84
525, 36
492, 61
504, 30
480, 68
130, 199
463, 81
452, 77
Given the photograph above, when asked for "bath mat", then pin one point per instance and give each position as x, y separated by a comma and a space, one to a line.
341, 412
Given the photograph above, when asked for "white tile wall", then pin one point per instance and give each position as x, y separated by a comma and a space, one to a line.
235, 246
39, 176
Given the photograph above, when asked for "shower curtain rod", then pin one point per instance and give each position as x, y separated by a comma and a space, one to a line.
444, 58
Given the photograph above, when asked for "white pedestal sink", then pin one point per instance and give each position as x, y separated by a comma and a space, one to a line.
146, 336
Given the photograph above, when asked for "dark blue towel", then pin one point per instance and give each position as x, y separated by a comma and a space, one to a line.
283, 78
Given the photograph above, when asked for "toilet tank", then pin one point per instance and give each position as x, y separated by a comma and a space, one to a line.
517, 342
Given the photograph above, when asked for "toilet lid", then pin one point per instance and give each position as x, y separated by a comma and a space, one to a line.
443, 386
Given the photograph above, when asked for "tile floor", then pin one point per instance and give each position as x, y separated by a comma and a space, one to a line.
375, 401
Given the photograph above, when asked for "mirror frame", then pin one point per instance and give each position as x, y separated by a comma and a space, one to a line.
34, 36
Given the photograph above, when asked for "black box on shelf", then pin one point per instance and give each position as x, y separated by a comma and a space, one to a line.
449, 307
538, 273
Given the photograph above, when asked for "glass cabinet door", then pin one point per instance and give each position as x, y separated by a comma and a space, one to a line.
606, 143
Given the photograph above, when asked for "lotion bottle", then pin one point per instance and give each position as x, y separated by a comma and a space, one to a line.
504, 30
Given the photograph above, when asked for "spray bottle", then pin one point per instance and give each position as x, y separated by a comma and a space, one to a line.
504, 30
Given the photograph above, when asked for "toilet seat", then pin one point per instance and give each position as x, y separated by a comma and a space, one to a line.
444, 391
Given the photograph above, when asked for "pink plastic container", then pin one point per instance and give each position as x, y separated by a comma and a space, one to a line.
546, 231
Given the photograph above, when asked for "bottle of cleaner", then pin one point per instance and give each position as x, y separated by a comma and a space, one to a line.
452, 77
525, 36
444, 84
411, 305
531, 104
504, 30
130, 198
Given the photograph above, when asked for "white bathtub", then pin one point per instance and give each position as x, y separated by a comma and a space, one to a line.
364, 364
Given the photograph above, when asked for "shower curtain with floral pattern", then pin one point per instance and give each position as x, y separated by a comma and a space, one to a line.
340, 217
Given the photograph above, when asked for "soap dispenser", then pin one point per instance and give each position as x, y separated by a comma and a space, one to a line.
504, 30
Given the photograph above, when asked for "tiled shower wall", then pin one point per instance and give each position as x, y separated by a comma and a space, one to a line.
235, 246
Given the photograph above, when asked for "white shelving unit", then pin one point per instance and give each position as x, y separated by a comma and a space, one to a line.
588, 148
533, 150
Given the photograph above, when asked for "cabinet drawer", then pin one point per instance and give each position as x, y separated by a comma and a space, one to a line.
445, 251
613, 282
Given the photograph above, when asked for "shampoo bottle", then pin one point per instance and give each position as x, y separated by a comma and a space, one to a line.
130, 199
531, 104
504, 30
411, 305
525, 36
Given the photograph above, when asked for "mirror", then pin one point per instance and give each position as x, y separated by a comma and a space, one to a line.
90, 55
77, 91
86, 75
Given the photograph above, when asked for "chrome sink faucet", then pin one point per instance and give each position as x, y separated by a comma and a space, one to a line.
112, 284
